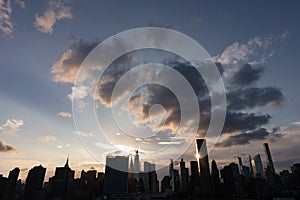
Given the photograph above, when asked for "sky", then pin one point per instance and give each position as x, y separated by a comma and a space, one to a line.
43, 43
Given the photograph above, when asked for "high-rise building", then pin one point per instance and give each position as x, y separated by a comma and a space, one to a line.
171, 174
258, 170
206, 187
9, 184
240, 165
136, 165
60, 185
232, 183
184, 174
251, 167
116, 175
195, 179
150, 177
270, 164
34, 182
215, 178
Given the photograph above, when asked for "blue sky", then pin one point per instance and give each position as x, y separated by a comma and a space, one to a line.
28, 50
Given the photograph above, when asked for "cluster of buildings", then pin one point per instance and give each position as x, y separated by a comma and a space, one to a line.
124, 179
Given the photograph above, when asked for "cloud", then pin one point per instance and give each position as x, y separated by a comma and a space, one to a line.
240, 96
11, 126
6, 25
47, 138
254, 97
238, 121
5, 148
66, 67
56, 10
246, 75
21, 3
255, 51
246, 137
65, 114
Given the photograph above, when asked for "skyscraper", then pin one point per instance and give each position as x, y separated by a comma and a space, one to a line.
116, 175
258, 169
136, 165
10, 184
215, 177
34, 182
171, 174
61, 183
270, 165
184, 174
204, 166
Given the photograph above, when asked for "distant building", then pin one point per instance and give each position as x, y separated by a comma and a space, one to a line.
171, 174
195, 179
258, 170
205, 180
34, 183
116, 175
7, 185
150, 177
165, 184
270, 164
60, 185
215, 178
184, 174
136, 165
232, 185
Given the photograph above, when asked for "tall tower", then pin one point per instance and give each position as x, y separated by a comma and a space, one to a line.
258, 169
136, 165
171, 174
270, 164
205, 180
215, 177
203, 157
241, 165
184, 173
251, 167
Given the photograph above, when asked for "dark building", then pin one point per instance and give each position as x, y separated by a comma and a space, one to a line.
232, 186
195, 179
184, 174
270, 164
116, 175
8, 185
165, 184
215, 178
205, 182
150, 177
34, 183
61, 184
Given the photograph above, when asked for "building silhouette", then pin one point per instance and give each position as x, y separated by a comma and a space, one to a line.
184, 174
270, 164
195, 179
258, 170
232, 186
215, 178
7, 185
205, 181
60, 185
116, 175
34, 183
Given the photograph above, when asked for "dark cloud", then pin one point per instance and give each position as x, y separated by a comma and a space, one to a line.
246, 137
238, 121
246, 75
254, 97
5, 148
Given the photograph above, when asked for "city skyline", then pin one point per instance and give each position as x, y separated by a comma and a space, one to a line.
43, 44
122, 180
